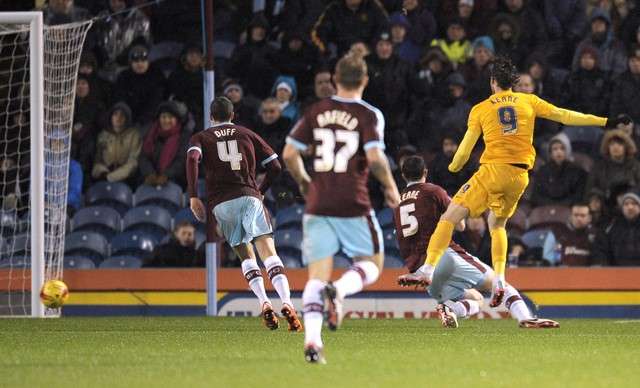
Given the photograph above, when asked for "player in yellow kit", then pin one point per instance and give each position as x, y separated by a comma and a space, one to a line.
506, 121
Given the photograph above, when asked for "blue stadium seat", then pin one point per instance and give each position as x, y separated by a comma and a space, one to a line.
340, 260
291, 260
385, 217
517, 224
101, 219
114, 194
74, 262
121, 263
132, 243
290, 217
91, 245
289, 239
187, 215
8, 222
584, 139
19, 244
153, 220
16, 262
535, 238
393, 260
390, 240
168, 196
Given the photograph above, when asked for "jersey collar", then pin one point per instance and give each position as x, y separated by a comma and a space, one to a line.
413, 183
221, 124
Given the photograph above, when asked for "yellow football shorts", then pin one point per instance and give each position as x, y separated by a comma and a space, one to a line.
494, 186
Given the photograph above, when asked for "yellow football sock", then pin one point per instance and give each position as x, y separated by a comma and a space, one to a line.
439, 242
499, 245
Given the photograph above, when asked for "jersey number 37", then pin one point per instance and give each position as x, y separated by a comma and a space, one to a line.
327, 158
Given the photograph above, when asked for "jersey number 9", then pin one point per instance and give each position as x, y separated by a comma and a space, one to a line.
508, 120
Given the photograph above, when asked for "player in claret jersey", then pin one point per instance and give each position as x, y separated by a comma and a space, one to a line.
230, 153
345, 136
459, 277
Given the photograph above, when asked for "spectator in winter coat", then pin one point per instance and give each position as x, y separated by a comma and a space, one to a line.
344, 22
272, 126
252, 62
87, 119
405, 48
505, 33
525, 84
533, 35
565, 21
179, 251
588, 87
600, 214
476, 70
100, 88
618, 166
141, 86
456, 46
550, 81
286, 92
571, 244
389, 87
625, 97
63, 11
619, 245
473, 13
439, 173
74, 187
165, 144
611, 53
559, 181
117, 148
322, 87
296, 58
185, 82
431, 78
245, 112
423, 26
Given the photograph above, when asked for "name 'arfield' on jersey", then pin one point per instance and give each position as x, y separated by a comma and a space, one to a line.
338, 117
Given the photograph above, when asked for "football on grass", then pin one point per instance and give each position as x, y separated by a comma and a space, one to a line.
54, 293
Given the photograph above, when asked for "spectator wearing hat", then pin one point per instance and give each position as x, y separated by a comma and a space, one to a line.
625, 97
116, 31
389, 87
285, 91
611, 52
476, 70
566, 22
455, 45
346, 21
101, 88
474, 15
439, 173
571, 244
164, 146
619, 244
322, 87
504, 30
62, 12
117, 148
141, 86
533, 35
559, 181
618, 165
88, 115
297, 58
245, 112
252, 62
588, 87
404, 47
185, 82
422, 26
272, 126
455, 108
431, 78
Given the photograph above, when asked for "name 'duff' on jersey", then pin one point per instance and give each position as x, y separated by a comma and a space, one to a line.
337, 117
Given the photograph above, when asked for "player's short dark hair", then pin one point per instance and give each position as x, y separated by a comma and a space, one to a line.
413, 167
504, 72
221, 109
351, 71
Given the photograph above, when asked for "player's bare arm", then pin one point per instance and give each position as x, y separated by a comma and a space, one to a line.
379, 166
295, 165
197, 207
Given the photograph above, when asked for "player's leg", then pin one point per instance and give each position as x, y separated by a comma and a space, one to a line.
468, 306
499, 247
361, 239
319, 245
275, 269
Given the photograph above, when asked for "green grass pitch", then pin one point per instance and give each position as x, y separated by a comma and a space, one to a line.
239, 352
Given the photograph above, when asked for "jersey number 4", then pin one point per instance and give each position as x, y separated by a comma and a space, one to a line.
409, 221
228, 152
508, 120
327, 158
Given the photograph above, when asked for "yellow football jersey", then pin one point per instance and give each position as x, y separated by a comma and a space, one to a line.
506, 121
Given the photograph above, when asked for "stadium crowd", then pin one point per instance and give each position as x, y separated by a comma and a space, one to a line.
139, 99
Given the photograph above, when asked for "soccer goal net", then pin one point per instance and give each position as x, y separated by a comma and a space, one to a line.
38, 71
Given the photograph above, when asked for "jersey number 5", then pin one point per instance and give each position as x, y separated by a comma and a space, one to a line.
408, 221
508, 120
228, 152
327, 158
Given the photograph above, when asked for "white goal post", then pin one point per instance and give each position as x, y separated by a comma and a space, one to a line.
50, 55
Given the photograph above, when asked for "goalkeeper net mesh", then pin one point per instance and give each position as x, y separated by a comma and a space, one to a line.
62, 46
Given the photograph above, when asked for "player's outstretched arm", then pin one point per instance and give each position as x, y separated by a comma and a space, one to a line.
379, 166
295, 165
464, 150
568, 117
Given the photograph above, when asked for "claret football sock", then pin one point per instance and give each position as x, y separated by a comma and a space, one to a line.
253, 275
464, 308
313, 311
513, 301
499, 245
361, 274
275, 270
